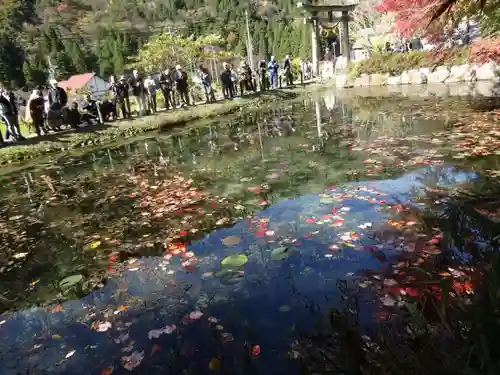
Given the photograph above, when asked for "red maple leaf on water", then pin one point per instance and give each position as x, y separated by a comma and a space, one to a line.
61, 7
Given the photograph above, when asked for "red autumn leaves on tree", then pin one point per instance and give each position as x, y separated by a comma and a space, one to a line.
413, 17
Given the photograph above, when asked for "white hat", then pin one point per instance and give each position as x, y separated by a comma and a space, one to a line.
177, 67
52, 81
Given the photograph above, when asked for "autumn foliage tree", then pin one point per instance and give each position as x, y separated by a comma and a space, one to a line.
413, 17
434, 19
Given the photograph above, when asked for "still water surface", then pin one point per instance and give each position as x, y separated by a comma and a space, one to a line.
208, 249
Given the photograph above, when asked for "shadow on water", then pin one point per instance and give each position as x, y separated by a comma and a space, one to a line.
222, 282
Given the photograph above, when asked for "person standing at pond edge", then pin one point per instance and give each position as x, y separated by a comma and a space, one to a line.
9, 117
36, 107
166, 86
287, 67
273, 68
263, 75
181, 85
245, 73
57, 98
206, 81
150, 86
234, 80
122, 90
136, 83
225, 80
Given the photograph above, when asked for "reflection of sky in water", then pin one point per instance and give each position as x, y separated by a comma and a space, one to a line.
249, 307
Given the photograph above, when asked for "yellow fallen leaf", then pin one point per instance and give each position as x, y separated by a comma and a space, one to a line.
214, 364
56, 337
95, 244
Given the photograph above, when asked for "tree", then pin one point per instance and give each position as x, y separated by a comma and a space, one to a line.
434, 18
166, 50
35, 72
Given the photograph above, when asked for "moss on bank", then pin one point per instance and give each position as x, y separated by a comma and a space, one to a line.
108, 133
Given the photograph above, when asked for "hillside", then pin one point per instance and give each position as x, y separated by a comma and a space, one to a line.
102, 35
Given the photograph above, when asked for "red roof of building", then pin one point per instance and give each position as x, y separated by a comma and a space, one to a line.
76, 82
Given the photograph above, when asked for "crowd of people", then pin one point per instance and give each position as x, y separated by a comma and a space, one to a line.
50, 112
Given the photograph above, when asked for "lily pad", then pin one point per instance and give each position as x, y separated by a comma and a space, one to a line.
327, 200
70, 281
234, 261
281, 253
231, 240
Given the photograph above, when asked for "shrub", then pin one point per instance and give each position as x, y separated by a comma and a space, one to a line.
392, 63
486, 50
449, 56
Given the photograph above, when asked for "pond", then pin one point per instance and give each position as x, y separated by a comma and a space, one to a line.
209, 249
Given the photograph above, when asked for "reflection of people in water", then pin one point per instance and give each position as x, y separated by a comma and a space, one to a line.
280, 126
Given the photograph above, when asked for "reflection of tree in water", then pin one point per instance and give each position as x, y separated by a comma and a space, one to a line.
51, 238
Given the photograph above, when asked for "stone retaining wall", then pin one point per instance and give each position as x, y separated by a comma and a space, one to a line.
467, 73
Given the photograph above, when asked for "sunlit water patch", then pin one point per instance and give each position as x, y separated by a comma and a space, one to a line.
233, 299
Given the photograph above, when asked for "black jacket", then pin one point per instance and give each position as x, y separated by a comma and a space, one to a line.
166, 82
57, 98
137, 85
181, 80
225, 77
121, 90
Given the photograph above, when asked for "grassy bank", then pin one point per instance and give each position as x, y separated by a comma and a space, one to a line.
108, 133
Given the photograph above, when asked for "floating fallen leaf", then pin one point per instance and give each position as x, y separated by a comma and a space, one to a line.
56, 308
132, 361
284, 308
70, 281
107, 371
195, 315
227, 337
155, 333
235, 261
231, 240
19, 255
281, 253
70, 354
327, 200
214, 364
101, 326
255, 351
95, 244
388, 301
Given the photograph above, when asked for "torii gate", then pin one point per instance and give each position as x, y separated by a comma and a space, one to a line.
331, 8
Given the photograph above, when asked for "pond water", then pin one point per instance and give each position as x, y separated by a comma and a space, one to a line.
210, 249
